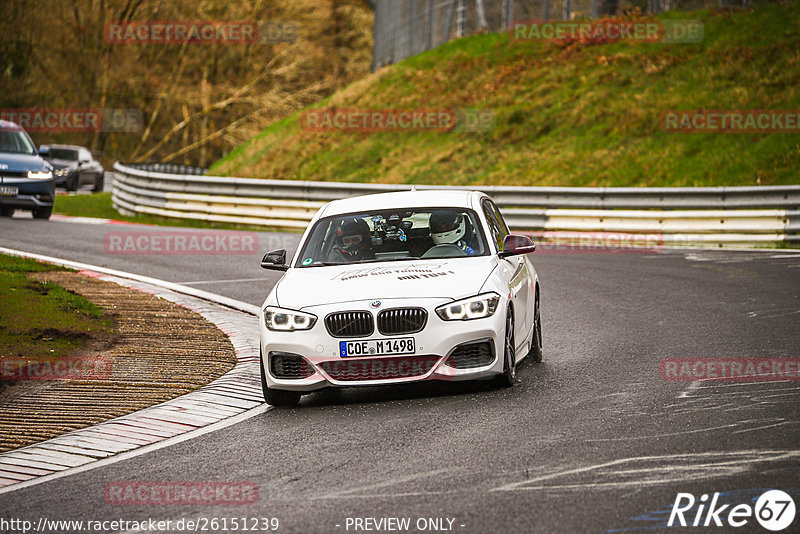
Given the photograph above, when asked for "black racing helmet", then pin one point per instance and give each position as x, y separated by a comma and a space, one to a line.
447, 226
353, 235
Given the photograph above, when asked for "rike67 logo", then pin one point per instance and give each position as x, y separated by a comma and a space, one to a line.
774, 510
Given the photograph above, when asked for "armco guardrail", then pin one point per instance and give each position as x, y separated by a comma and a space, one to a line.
680, 216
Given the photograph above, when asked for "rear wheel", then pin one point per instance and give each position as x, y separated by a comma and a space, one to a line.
535, 353
509, 356
277, 397
6, 212
42, 213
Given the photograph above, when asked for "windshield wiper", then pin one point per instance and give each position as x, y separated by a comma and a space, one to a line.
376, 260
381, 260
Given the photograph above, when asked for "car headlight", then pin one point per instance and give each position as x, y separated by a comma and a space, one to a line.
61, 172
41, 175
284, 320
476, 307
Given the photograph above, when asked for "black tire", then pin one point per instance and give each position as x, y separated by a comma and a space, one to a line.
98, 185
42, 213
277, 397
509, 357
535, 354
72, 183
6, 212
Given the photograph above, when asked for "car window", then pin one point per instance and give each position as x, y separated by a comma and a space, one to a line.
63, 153
16, 141
392, 235
499, 217
497, 228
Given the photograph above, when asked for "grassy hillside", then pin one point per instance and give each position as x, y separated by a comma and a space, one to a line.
574, 114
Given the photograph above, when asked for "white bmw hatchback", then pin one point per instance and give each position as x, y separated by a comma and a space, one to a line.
400, 287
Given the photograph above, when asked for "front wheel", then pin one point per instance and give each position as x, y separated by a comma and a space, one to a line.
42, 213
277, 397
509, 354
98, 186
6, 212
72, 183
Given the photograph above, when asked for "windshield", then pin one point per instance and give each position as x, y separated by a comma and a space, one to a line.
16, 141
63, 153
393, 235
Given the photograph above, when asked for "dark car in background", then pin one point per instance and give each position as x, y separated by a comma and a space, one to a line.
73, 166
26, 180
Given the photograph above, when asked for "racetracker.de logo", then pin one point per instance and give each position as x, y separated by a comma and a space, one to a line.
69, 368
608, 31
200, 32
189, 243
397, 120
76, 119
732, 121
737, 369
596, 243
180, 493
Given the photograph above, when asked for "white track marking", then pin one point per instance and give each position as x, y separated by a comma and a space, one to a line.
667, 469
763, 427
385, 483
670, 434
719, 384
80, 220
225, 281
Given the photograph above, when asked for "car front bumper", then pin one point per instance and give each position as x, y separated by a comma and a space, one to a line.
61, 180
433, 346
31, 193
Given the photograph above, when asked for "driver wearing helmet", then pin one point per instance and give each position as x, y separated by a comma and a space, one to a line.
450, 227
353, 241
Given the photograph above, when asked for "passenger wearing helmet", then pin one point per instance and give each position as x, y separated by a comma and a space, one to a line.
353, 242
449, 228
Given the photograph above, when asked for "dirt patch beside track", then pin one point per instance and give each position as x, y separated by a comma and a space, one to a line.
159, 351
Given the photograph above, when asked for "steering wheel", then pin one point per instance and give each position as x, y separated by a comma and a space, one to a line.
446, 250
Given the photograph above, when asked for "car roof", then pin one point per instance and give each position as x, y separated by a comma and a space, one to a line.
436, 198
10, 125
71, 147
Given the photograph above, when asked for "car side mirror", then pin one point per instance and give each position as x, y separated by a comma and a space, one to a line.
275, 260
515, 244
44, 150
83, 161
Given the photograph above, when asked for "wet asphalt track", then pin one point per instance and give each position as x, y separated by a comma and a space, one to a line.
590, 440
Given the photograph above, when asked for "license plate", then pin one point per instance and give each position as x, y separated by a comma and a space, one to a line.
8, 191
377, 347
